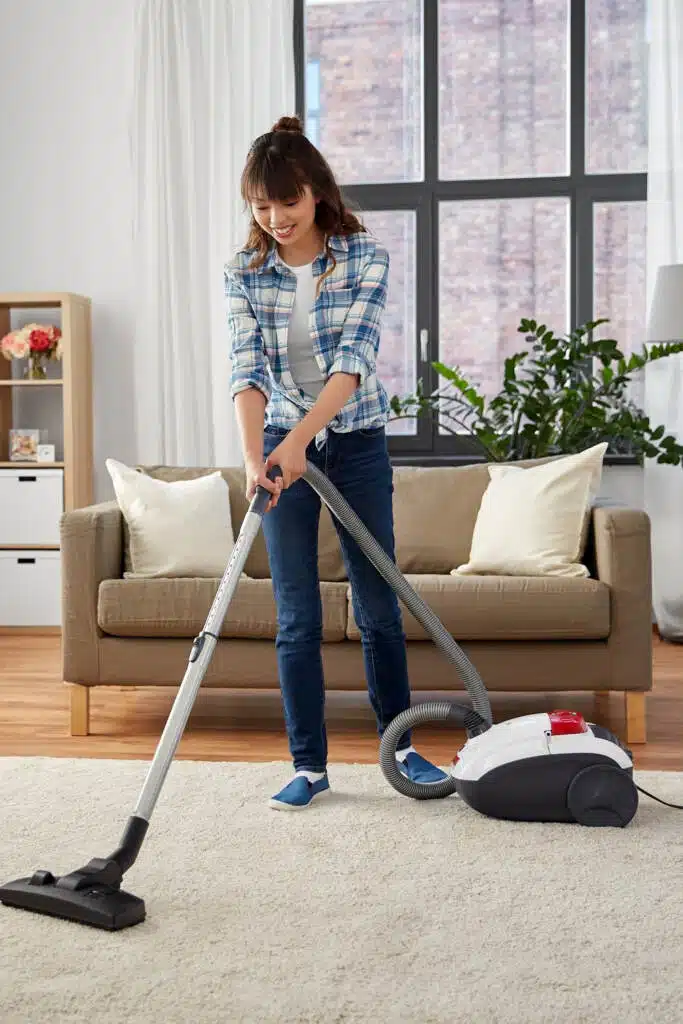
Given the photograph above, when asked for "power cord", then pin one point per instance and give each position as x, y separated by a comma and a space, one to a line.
605, 734
678, 807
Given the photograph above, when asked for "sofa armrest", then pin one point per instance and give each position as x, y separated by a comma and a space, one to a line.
92, 551
621, 538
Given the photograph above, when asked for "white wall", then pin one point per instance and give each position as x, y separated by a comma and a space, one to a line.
624, 484
65, 183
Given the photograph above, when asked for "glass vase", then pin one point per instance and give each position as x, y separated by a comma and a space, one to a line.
36, 369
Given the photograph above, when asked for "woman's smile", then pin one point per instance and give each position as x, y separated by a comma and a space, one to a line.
283, 233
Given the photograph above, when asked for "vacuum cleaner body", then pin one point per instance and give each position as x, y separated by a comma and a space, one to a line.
551, 767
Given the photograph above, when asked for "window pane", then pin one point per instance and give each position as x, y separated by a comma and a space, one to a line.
369, 54
616, 86
500, 261
619, 235
396, 363
312, 87
503, 88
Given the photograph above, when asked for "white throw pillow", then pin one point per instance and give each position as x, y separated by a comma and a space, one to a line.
533, 521
176, 528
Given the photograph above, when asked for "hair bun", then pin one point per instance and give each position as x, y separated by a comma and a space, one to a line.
288, 124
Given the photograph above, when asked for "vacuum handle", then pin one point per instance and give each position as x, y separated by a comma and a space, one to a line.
262, 496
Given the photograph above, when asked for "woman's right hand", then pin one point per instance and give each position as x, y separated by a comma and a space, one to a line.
256, 477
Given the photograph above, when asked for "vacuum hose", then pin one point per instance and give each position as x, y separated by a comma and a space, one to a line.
476, 719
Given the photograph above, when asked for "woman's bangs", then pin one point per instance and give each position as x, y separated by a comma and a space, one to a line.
273, 179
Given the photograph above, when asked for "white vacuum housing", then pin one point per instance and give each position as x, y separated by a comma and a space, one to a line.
548, 767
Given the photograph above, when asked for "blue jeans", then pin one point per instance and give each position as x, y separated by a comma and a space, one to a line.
358, 465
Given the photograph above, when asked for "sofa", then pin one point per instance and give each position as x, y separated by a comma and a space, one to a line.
544, 634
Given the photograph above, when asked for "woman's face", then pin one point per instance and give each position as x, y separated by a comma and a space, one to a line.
287, 222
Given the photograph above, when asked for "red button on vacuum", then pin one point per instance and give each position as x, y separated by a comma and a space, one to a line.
563, 723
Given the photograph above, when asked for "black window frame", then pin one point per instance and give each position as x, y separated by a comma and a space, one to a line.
583, 190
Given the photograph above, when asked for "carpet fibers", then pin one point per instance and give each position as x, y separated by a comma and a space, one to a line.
368, 907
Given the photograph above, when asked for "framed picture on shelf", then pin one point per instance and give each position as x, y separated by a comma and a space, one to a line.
23, 444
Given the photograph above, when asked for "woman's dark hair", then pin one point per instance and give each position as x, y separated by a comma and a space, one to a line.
279, 165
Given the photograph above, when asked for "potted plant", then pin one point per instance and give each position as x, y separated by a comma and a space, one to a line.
562, 394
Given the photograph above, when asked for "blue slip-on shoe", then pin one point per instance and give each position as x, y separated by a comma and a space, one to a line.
299, 793
418, 769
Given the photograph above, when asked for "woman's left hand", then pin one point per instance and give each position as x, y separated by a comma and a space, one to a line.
290, 456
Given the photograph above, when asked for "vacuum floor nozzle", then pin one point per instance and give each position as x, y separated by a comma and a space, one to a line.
100, 906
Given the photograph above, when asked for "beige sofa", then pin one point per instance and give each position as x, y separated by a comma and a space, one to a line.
553, 635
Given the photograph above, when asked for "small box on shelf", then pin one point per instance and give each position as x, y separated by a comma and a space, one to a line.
23, 444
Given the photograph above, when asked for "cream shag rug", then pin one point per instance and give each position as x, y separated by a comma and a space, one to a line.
368, 908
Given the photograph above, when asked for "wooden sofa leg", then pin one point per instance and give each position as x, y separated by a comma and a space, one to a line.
80, 709
636, 728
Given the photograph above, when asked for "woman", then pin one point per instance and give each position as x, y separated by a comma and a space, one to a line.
305, 299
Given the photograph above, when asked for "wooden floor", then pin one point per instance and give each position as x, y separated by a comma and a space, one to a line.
248, 726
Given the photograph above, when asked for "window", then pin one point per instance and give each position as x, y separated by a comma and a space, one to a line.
369, 99
503, 97
495, 257
619, 269
499, 151
313, 101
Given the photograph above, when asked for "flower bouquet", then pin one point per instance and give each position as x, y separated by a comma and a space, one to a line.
38, 342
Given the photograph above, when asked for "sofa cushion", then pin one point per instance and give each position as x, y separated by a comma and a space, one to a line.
435, 509
179, 607
534, 521
508, 608
330, 562
162, 516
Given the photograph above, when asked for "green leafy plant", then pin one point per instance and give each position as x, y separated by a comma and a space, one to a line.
562, 394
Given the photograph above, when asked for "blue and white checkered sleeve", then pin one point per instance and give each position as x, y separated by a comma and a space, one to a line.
357, 349
246, 342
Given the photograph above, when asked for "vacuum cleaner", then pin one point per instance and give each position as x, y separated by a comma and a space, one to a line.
553, 767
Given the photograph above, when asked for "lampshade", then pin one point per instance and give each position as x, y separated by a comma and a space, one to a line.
666, 312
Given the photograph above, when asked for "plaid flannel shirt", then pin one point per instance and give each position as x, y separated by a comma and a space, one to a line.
344, 325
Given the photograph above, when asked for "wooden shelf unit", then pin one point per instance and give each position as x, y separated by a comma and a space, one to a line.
75, 413
76, 385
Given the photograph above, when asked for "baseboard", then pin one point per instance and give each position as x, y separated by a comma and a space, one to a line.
30, 630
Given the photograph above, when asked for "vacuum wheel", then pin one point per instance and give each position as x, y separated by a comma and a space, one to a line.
602, 794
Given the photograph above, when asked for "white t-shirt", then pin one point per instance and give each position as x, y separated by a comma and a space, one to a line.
302, 362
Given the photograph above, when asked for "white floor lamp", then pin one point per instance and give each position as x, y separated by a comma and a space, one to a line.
664, 484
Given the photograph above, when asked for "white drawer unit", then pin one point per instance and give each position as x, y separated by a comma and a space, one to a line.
31, 504
30, 588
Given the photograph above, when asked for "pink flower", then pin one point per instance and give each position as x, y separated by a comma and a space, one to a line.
15, 345
6, 346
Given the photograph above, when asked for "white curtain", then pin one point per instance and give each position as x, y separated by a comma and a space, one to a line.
210, 76
664, 380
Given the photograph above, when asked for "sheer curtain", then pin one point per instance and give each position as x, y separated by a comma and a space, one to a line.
210, 76
664, 380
